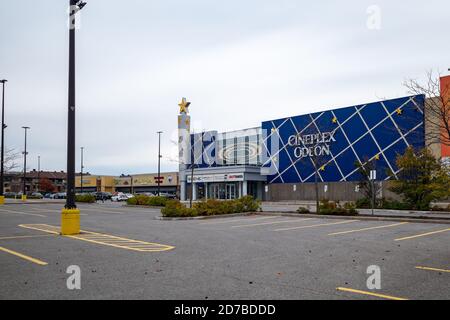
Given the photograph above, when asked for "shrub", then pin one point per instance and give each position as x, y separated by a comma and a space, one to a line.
394, 205
303, 210
327, 205
143, 200
332, 208
157, 201
174, 208
87, 198
212, 207
132, 201
249, 204
363, 203
424, 178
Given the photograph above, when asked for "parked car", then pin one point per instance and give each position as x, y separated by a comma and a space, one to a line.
103, 195
119, 197
10, 194
167, 195
37, 195
60, 195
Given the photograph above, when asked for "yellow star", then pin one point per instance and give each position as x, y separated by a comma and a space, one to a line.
399, 111
377, 157
184, 105
334, 120
322, 168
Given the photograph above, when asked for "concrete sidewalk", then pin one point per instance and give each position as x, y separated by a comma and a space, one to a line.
311, 206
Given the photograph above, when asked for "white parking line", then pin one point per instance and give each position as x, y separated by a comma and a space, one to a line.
269, 223
316, 225
20, 212
235, 220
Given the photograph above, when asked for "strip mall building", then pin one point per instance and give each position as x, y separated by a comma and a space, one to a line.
281, 159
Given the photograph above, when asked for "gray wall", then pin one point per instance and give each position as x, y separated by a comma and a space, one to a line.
337, 191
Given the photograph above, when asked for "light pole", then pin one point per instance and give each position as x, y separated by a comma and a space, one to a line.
24, 191
2, 197
70, 219
81, 172
131, 189
159, 162
39, 174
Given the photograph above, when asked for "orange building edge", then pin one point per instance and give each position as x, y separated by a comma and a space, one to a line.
445, 94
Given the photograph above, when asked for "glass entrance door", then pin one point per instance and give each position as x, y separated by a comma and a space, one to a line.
222, 191
231, 191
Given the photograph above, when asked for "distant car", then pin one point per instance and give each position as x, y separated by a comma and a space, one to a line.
167, 195
60, 195
103, 196
119, 197
10, 194
37, 195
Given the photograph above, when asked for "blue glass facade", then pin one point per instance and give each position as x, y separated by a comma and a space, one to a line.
334, 141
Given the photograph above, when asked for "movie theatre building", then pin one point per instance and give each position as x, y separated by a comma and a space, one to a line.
282, 159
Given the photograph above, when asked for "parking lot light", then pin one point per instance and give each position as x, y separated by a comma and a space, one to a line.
2, 197
24, 191
70, 217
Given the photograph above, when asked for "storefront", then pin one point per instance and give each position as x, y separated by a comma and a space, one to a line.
282, 159
227, 183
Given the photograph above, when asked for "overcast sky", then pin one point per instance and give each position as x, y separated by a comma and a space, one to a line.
238, 62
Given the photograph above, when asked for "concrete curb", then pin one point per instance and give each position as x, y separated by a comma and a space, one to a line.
140, 206
33, 202
206, 217
357, 217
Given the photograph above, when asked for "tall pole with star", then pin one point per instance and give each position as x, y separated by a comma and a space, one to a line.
184, 143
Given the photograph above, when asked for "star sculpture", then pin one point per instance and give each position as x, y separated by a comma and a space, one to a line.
184, 105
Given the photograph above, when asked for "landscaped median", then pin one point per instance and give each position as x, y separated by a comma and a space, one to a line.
333, 209
85, 198
143, 200
211, 207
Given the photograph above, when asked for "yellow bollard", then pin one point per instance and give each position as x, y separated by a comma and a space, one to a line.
2, 200
70, 222
24, 197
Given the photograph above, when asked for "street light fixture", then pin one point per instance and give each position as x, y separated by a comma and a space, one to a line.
24, 191
39, 174
81, 171
2, 197
159, 162
131, 185
70, 219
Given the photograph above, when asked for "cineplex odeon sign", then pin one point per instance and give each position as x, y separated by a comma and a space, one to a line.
311, 145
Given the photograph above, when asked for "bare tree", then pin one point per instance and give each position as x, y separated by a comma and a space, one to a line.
437, 107
10, 160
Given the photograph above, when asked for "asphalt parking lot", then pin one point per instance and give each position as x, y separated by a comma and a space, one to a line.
125, 253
